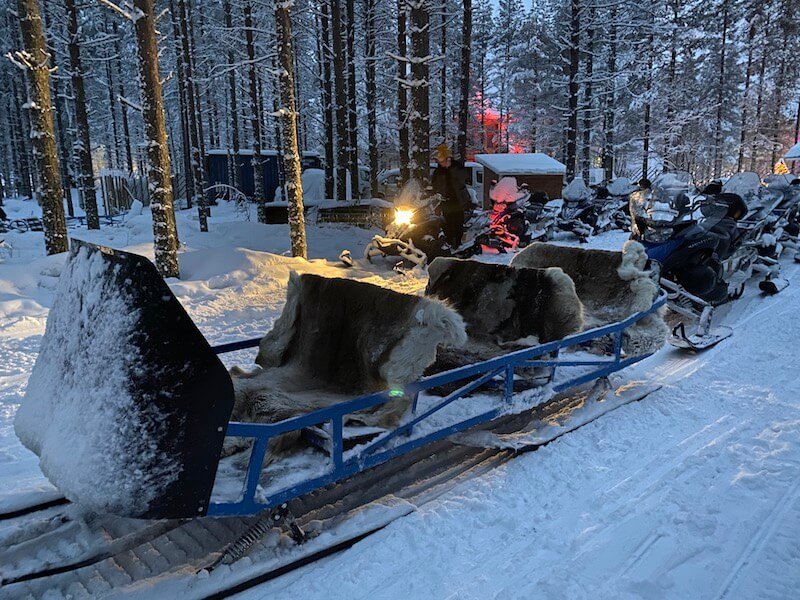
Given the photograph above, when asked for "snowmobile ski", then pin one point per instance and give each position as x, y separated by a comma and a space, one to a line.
773, 285
698, 341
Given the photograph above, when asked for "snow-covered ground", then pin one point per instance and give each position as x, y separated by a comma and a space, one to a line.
692, 493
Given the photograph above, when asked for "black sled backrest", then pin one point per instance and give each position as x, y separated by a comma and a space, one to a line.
127, 405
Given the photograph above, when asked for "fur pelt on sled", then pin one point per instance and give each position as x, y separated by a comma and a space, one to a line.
337, 339
611, 286
504, 308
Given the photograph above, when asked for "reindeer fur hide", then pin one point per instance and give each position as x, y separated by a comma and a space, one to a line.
504, 308
611, 286
337, 339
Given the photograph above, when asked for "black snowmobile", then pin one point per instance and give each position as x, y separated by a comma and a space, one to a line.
508, 226
416, 232
705, 247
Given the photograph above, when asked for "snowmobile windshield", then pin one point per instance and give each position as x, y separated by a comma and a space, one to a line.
745, 185
658, 211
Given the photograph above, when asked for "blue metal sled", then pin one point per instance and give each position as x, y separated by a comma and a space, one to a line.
179, 397
391, 444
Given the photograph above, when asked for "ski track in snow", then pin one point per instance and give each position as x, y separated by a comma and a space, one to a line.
692, 493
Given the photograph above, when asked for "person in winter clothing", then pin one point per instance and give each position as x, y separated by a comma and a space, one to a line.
449, 180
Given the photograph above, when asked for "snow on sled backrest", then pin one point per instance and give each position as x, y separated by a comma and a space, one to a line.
127, 404
611, 286
338, 338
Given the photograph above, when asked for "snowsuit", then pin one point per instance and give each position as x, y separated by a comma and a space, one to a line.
451, 184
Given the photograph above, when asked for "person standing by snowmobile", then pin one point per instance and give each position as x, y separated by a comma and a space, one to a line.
450, 182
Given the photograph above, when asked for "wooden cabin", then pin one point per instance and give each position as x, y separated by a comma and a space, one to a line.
542, 173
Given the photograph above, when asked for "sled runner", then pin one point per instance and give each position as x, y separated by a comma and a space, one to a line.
147, 423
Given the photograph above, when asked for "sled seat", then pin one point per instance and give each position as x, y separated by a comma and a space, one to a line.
505, 309
337, 339
611, 286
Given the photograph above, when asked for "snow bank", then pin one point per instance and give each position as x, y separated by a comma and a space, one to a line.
78, 414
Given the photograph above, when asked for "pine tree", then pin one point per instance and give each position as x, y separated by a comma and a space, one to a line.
35, 59
165, 232
288, 120
83, 148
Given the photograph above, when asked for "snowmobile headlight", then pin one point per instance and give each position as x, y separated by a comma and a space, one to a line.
403, 216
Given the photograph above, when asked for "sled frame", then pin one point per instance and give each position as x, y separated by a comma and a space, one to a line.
345, 464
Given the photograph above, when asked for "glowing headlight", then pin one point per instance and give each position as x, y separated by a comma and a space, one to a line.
403, 216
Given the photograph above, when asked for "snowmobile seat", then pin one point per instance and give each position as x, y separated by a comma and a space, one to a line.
505, 309
337, 339
737, 207
611, 286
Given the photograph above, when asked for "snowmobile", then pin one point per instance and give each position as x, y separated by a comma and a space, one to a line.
508, 227
415, 234
133, 423
542, 215
783, 224
705, 249
619, 192
578, 215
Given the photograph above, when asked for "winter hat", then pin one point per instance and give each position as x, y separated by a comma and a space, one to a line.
443, 152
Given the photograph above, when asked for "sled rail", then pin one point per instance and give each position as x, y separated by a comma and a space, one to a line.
345, 464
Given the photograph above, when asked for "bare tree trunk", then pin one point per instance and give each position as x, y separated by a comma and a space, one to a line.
402, 88
419, 115
83, 149
588, 98
720, 93
288, 119
372, 116
611, 95
112, 105
780, 83
672, 72
255, 115
339, 101
193, 119
165, 232
126, 133
759, 106
647, 101
573, 66
21, 150
352, 100
183, 107
748, 75
234, 105
62, 136
466, 58
37, 62
443, 77
327, 95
